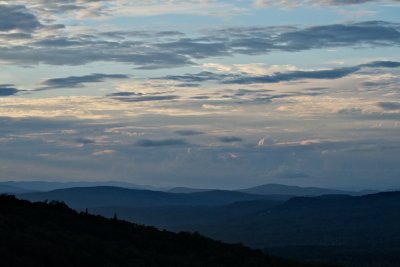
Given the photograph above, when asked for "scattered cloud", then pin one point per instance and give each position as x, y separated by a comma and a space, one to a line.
178, 50
8, 90
261, 142
103, 152
79, 81
161, 142
85, 141
124, 94
147, 98
287, 172
389, 105
295, 3
297, 95
227, 78
230, 139
188, 132
17, 18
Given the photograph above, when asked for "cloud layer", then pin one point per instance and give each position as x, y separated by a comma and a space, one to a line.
167, 49
79, 81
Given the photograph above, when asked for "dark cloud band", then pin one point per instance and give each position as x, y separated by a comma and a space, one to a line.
8, 90
279, 76
79, 81
160, 143
177, 51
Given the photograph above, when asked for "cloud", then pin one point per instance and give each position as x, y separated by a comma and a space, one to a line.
294, 75
389, 105
8, 90
188, 132
294, 3
230, 139
82, 8
17, 18
79, 81
103, 152
261, 40
358, 161
123, 94
261, 142
85, 141
280, 76
287, 172
203, 76
160, 143
75, 51
372, 33
381, 64
176, 50
196, 48
147, 98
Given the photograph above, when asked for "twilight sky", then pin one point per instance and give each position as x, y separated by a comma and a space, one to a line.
201, 93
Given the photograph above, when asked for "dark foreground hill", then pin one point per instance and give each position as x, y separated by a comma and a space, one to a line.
51, 234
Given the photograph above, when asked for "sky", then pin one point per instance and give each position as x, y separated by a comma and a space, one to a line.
201, 93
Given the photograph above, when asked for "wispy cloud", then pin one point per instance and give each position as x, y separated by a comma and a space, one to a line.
229, 78
389, 105
230, 139
188, 132
179, 51
79, 81
294, 3
160, 143
8, 90
17, 18
147, 98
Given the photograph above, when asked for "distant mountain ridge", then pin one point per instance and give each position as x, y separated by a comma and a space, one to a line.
5, 188
266, 189
31, 186
279, 189
187, 190
105, 196
270, 189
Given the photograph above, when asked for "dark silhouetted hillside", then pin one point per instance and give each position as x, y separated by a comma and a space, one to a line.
51, 234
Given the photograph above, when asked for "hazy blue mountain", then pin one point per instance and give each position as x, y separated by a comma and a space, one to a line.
271, 189
325, 220
340, 229
48, 186
187, 190
4, 188
106, 196
181, 217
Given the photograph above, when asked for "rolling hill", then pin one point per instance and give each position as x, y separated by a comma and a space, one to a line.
34, 186
278, 189
339, 229
106, 196
51, 234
